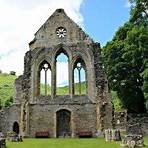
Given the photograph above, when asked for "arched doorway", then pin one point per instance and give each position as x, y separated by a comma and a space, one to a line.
16, 127
63, 123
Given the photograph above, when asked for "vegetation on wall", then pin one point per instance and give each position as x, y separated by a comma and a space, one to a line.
126, 59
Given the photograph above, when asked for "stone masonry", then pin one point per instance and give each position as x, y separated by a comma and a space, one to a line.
34, 112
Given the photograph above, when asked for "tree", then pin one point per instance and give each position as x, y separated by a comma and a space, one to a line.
125, 59
139, 10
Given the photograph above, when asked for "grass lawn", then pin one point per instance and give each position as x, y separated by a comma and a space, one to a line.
63, 143
67, 143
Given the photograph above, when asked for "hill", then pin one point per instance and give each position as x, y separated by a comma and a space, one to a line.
6, 86
65, 89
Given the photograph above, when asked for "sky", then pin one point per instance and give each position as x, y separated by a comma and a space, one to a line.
21, 19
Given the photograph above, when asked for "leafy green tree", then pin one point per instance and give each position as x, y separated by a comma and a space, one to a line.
125, 59
139, 10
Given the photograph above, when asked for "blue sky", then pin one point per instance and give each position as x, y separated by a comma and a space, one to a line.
103, 17
21, 19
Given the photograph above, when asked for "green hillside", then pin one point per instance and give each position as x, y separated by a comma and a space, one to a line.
6, 87
64, 89
7, 90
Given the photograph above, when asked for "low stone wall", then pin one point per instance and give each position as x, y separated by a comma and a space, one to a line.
142, 119
122, 120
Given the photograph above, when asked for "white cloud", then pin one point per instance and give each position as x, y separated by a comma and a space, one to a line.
20, 20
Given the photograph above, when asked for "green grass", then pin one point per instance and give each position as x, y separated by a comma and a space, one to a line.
6, 86
64, 143
146, 141
67, 143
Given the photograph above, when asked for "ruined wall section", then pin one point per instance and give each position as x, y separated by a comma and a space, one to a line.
81, 118
103, 100
46, 36
8, 116
22, 83
22, 94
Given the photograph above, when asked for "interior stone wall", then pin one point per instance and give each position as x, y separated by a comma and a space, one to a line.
8, 116
83, 118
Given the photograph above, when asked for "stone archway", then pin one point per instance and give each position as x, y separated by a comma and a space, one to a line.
63, 123
16, 127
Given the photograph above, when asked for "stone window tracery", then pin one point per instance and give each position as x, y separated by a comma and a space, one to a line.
45, 78
79, 77
61, 32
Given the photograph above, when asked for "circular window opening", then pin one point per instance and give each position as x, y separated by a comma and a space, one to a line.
61, 32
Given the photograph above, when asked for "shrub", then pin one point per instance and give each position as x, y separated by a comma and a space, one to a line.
12, 73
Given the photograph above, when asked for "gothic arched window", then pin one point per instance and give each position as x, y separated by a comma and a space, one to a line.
45, 78
62, 73
80, 81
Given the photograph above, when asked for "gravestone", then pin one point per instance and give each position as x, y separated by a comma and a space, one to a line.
112, 135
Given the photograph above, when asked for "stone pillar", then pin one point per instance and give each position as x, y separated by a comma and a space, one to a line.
72, 125
22, 121
27, 119
24, 124
53, 80
98, 125
55, 126
70, 71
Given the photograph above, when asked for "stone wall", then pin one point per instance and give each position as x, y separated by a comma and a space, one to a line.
142, 119
123, 120
46, 36
120, 120
83, 118
8, 116
90, 112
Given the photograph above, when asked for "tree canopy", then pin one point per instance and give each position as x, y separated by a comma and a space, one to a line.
126, 59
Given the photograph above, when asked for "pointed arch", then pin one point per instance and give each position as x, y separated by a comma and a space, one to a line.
16, 128
62, 71
79, 76
44, 78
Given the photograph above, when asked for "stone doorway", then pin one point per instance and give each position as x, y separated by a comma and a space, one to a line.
63, 123
16, 127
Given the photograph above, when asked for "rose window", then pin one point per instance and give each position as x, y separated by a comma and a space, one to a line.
61, 32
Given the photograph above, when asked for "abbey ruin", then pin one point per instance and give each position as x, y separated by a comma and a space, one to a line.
67, 114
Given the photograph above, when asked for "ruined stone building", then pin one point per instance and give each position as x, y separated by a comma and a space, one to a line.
67, 114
